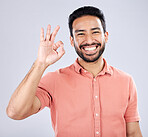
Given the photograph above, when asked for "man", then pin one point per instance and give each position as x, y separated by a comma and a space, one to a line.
87, 99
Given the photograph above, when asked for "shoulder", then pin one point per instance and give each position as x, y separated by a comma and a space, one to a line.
60, 72
123, 79
51, 78
120, 73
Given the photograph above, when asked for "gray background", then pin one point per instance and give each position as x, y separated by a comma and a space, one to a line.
20, 23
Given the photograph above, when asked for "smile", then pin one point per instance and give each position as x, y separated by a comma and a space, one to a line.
90, 48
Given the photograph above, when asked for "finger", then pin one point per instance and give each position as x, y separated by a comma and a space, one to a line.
42, 35
57, 45
48, 32
53, 35
61, 51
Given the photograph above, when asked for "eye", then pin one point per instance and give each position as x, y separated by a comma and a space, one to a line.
80, 34
96, 32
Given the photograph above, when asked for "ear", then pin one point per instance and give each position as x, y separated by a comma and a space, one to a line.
71, 41
106, 37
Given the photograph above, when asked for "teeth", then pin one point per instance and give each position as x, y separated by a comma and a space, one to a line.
90, 49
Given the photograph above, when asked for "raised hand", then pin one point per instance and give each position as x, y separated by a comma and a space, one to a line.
47, 53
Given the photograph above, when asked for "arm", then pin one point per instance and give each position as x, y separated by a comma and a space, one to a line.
23, 102
133, 129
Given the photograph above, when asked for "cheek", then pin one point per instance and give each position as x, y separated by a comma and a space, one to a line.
101, 38
98, 39
79, 41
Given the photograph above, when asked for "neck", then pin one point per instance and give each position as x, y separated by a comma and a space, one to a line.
92, 67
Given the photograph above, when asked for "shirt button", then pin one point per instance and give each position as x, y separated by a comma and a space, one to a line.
97, 114
94, 79
85, 71
96, 96
97, 132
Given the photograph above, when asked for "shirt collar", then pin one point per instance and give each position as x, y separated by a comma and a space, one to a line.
107, 68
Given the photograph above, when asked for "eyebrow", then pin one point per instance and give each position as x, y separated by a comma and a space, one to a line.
81, 30
95, 28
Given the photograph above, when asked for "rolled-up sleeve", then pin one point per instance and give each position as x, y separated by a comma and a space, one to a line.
43, 95
132, 114
45, 90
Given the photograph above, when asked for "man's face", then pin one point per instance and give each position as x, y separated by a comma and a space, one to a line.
88, 38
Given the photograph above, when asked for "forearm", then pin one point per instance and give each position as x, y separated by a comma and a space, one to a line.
23, 97
135, 135
133, 129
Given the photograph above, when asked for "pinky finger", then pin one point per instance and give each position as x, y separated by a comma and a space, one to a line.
42, 35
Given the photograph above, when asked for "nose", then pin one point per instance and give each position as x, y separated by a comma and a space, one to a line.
89, 39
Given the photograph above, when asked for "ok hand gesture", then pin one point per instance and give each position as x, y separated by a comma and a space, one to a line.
47, 53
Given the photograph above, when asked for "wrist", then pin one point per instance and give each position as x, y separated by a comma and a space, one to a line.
40, 65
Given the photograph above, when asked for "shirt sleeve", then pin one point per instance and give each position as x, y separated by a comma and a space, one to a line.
43, 95
45, 90
131, 114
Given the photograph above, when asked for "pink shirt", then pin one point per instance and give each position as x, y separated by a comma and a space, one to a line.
83, 106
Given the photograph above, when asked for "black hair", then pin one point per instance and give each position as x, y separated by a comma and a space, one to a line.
83, 11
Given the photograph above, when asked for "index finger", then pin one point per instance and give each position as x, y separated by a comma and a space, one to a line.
42, 35
54, 33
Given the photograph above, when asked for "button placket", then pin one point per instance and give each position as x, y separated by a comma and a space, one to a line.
96, 107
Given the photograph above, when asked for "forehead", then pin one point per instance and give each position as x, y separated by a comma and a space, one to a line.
86, 22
